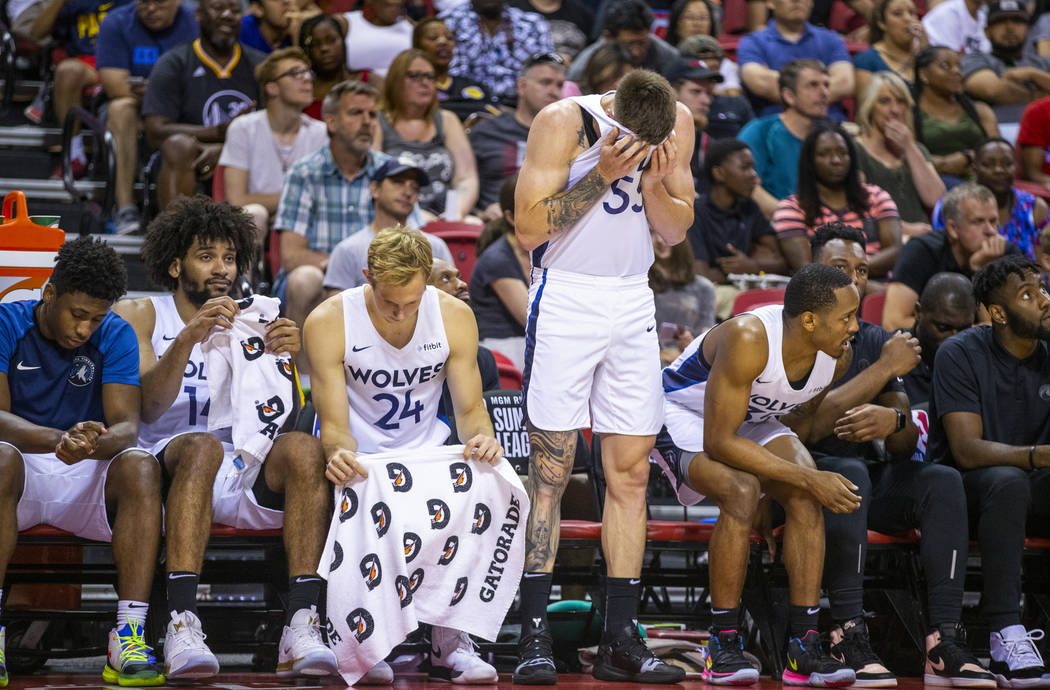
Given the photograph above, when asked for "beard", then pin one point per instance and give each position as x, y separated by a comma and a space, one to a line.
1025, 328
198, 293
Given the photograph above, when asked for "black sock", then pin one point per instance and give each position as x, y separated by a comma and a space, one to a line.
535, 592
621, 602
725, 619
182, 591
303, 592
802, 619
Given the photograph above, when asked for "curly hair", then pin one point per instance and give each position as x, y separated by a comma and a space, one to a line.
993, 276
90, 266
171, 235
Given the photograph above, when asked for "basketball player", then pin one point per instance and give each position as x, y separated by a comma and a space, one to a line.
396, 322
198, 249
598, 172
733, 402
69, 418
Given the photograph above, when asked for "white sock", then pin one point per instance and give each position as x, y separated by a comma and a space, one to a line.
76, 149
130, 610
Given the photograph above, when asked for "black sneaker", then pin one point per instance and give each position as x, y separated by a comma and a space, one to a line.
809, 664
624, 657
851, 645
536, 655
944, 666
726, 663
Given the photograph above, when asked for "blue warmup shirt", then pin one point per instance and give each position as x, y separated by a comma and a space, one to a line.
55, 387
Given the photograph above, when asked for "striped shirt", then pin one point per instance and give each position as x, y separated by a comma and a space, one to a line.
789, 220
321, 204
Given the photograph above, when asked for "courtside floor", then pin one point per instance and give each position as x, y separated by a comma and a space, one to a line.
246, 681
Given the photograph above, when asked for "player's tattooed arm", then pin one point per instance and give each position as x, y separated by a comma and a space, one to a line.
550, 465
565, 208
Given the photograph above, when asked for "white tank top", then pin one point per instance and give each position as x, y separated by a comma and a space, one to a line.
189, 412
772, 395
612, 238
394, 394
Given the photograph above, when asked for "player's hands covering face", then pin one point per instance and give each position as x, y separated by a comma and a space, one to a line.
620, 158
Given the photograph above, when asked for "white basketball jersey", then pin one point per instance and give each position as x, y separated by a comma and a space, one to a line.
772, 395
394, 393
189, 412
612, 238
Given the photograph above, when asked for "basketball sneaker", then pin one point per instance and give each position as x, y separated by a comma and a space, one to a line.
536, 655
380, 674
302, 652
726, 663
185, 654
668, 457
623, 656
1016, 661
454, 658
808, 664
3, 657
129, 660
851, 645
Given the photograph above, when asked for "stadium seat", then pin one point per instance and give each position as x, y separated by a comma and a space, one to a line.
871, 308
509, 376
461, 239
218, 184
759, 297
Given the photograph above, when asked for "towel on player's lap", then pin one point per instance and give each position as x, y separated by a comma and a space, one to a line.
251, 390
426, 538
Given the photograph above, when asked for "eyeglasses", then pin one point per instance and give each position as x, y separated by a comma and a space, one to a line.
421, 76
543, 59
296, 73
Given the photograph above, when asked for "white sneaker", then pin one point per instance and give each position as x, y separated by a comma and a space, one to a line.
380, 674
185, 654
1016, 661
454, 657
302, 652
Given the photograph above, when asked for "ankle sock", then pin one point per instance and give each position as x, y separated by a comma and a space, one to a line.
303, 592
130, 610
802, 619
182, 591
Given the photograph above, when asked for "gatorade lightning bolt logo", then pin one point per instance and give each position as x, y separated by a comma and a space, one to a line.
449, 552
482, 519
270, 410
381, 517
400, 477
462, 477
407, 586
348, 506
253, 347
337, 557
285, 367
361, 624
439, 515
412, 544
459, 592
371, 571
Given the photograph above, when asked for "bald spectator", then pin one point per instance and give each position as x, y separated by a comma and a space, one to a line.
945, 307
789, 36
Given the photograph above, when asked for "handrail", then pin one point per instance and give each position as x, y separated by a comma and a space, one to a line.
106, 144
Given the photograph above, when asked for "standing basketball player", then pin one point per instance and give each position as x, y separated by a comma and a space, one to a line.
599, 171
397, 323
734, 399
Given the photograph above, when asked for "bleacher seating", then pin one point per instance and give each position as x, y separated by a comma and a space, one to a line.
461, 238
759, 297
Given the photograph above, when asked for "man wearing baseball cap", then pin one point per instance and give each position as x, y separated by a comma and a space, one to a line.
395, 190
694, 84
1006, 76
730, 110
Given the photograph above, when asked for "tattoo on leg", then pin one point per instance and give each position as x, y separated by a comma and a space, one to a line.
550, 465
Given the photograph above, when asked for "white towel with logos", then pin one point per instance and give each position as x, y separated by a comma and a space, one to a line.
426, 538
253, 392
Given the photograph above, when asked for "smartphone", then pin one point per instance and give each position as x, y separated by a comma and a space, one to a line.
668, 332
136, 81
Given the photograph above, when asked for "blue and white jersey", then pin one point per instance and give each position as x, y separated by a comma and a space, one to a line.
55, 387
772, 395
189, 411
394, 393
612, 238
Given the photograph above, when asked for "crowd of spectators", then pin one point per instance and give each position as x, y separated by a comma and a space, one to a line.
926, 148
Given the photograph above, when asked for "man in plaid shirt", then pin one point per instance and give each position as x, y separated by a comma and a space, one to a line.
326, 196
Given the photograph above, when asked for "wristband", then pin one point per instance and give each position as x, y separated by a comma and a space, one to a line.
1031, 457
902, 420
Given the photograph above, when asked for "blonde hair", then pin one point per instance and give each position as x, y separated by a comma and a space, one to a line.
897, 87
397, 254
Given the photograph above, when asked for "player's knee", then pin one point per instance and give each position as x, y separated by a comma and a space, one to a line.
122, 115
197, 453
138, 473
740, 498
179, 150
629, 479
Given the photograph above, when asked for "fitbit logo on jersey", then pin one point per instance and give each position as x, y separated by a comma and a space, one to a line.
428, 347
398, 378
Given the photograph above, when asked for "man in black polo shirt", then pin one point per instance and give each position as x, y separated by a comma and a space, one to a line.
866, 404
970, 239
194, 91
990, 414
946, 307
730, 234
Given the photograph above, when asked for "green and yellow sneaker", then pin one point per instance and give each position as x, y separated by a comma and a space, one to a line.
130, 662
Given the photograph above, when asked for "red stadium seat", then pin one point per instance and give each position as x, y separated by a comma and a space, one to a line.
509, 376
218, 183
760, 297
461, 239
871, 308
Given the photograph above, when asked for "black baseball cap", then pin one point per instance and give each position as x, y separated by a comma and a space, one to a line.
684, 68
395, 166
1006, 9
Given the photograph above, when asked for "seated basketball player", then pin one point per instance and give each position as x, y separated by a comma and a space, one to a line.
399, 322
197, 250
733, 402
69, 420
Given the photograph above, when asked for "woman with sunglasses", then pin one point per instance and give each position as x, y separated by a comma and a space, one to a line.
412, 126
